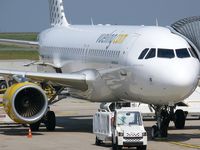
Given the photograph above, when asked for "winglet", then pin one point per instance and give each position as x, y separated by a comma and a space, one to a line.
57, 14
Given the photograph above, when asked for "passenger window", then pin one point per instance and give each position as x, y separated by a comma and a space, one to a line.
182, 53
166, 53
143, 53
151, 54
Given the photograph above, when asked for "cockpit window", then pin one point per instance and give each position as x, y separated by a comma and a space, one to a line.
182, 53
143, 53
151, 54
166, 53
192, 52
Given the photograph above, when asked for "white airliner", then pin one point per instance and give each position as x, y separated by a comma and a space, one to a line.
147, 64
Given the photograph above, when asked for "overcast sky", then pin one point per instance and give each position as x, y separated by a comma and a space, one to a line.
33, 15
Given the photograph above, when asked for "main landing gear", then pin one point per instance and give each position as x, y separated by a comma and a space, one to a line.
165, 114
54, 95
49, 121
179, 119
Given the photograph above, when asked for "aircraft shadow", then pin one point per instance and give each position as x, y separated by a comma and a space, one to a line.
177, 137
84, 124
73, 124
16, 130
186, 128
63, 124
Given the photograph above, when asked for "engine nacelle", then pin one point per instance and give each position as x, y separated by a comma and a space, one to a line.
25, 102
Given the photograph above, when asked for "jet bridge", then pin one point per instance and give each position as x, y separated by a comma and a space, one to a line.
189, 29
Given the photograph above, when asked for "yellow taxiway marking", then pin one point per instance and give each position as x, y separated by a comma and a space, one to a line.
186, 145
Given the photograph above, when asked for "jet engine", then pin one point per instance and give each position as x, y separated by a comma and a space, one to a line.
25, 102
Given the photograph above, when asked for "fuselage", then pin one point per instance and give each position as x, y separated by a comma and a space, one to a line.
135, 63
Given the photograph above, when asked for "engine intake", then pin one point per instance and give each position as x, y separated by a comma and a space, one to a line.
25, 102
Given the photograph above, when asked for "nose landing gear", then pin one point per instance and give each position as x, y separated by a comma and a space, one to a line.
160, 130
165, 114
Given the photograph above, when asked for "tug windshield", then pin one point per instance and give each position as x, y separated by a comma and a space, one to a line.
129, 118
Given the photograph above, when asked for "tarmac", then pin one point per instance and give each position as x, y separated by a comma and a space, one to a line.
74, 132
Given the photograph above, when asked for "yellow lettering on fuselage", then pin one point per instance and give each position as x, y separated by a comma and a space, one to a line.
112, 38
120, 38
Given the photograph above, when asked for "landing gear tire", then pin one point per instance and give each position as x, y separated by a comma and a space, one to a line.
35, 126
165, 123
164, 132
119, 147
98, 142
179, 119
160, 130
143, 147
154, 131
50, 121
115, 146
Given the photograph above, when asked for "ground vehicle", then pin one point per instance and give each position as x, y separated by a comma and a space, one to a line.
123, 126
3, 84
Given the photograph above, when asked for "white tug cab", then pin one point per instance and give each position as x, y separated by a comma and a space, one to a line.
123, 126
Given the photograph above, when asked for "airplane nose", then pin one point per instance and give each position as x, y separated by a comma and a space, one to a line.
184, 78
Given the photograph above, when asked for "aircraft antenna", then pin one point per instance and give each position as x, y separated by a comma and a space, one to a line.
157, 24
92, 23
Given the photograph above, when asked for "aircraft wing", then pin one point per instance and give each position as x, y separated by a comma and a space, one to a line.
22, 42
72, 80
